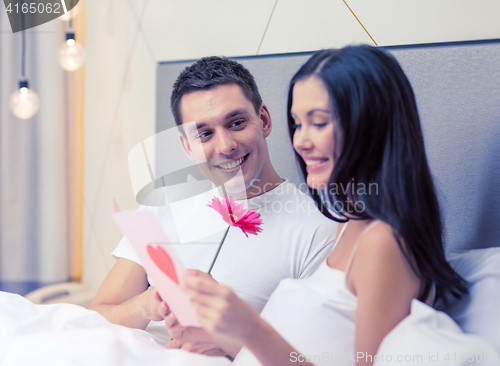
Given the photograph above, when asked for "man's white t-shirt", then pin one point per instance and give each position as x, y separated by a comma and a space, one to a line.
296, 237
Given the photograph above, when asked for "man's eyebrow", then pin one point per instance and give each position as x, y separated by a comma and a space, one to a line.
198, 125
235, 113
195, 126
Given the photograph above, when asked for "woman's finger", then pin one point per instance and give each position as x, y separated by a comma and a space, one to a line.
195, 272
201, 284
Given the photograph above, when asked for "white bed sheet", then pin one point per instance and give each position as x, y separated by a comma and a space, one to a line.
428, 337
65, 334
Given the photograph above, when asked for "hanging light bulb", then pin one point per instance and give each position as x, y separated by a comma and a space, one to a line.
66, 17
24, 102
72, 55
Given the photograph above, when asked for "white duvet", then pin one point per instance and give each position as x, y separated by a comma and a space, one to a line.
67, 335
431, 338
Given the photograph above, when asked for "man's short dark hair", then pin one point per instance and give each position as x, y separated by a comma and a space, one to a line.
208, 73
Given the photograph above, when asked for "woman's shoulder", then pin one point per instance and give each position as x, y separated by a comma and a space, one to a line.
377, 231
377, 247
379, 255
378, 243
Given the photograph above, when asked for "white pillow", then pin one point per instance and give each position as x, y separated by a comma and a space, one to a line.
478, 312
430, 337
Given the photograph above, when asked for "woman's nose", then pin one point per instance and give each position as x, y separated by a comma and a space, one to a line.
301, 140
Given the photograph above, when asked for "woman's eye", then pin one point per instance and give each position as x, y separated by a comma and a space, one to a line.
296, 126
320, 125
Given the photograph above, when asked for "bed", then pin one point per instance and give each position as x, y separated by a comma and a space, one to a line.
458, 93
68, 334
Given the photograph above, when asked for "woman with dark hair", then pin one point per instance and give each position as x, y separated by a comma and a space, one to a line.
378, 169
355, 128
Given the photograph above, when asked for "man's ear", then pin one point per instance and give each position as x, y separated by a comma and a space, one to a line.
185, 145
265, 117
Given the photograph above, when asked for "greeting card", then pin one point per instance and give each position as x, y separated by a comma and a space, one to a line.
159, 259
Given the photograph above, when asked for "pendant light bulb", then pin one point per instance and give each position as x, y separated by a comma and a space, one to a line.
72, 55
24, 103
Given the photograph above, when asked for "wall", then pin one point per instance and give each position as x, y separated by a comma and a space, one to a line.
35, 162
126, 39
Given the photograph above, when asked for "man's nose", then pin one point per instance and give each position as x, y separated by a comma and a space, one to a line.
226, 143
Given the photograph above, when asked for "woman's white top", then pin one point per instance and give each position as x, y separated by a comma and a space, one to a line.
315, 315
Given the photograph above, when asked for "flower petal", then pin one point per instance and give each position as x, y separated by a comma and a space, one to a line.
236, 215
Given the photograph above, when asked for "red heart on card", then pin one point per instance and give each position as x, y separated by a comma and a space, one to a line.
163, 261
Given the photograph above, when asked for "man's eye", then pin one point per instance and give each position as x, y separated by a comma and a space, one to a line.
204, 135
237, 123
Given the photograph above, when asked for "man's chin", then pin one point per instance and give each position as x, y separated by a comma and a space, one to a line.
235, 189
233, 184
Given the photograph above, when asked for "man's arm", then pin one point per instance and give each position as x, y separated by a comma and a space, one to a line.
124, 298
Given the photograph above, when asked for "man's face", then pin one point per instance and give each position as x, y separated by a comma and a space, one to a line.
223, 129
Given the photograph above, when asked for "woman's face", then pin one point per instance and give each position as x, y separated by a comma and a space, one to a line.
314, 127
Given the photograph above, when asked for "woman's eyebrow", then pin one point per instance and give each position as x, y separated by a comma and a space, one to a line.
312, 111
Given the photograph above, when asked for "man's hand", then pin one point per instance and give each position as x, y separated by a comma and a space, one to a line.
193, 339
124, 297
204, 348
196, 340
220, 311
185, 334
154, 307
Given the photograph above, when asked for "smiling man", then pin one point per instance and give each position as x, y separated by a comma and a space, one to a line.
230, 136
224, 126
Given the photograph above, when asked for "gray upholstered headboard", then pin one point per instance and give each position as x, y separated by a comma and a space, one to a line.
457, 86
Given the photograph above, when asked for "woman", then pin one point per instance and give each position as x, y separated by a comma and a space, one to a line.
355, 128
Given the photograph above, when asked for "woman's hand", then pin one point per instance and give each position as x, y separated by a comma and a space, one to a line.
220, 311
227, 317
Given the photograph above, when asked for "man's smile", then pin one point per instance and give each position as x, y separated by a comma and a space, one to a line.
231, 164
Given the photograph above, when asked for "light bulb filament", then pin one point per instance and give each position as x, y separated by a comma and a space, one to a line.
70, 42
24, 90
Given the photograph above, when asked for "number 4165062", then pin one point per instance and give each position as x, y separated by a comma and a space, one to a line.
33, 8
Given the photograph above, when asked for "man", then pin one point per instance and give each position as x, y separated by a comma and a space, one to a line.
220, 99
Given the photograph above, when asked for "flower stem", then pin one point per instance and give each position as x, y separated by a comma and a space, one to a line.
218, 250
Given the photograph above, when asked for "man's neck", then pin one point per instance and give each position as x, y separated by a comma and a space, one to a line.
253, 190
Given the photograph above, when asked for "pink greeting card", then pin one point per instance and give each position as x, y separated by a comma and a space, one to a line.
160, 260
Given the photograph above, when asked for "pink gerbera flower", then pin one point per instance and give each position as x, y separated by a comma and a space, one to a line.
248, 220
235, 215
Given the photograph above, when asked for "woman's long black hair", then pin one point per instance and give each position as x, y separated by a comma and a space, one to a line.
382, 148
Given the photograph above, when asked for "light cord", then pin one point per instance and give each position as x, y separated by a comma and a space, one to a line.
23, 57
